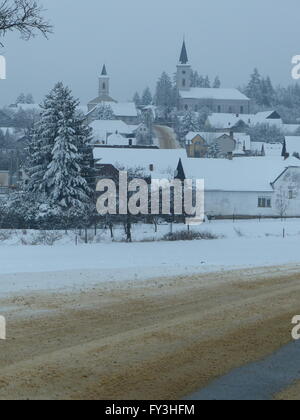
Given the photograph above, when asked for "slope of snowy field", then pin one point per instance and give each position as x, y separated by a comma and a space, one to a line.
245, 244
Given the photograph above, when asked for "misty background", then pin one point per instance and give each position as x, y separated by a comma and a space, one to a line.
139, 39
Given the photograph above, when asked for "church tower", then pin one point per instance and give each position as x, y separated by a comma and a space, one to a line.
104, 84
184, 70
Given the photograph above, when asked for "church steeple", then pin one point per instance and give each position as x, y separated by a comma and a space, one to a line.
104, 83
104, 71
184, 70
183, 55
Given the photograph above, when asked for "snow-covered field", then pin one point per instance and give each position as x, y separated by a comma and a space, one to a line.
244, 244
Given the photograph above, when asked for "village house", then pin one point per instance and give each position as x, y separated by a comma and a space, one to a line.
240, 122
235, 144
151, 162
246, 188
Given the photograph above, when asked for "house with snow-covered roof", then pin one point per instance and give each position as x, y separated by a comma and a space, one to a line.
218, 100
245, 188
154, 163
266, 149
198, 144
103, 129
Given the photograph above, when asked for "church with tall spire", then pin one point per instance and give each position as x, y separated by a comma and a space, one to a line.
103, 90
218, 100
184, 70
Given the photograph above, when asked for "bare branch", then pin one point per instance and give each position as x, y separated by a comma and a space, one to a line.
23, 16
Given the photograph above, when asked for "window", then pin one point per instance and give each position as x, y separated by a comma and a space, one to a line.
184, 72
183, 82
151, 167
264, 202
103, 86
186, 107
292, 194
230, 110
242, 110
219, 109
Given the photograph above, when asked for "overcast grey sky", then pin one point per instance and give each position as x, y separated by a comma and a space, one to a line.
138, 39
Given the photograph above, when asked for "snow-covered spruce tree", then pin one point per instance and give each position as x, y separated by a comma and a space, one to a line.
67, 190
42, 141
164, 96
60, 178
137, 99
189, 123
217, 83
147, 98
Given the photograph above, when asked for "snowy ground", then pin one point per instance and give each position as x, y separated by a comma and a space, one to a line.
245, 244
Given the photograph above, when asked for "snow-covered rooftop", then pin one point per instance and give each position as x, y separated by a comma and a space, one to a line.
270, 149
240, 174
211, 93
163, 162
103, 128
292, 144
117, 140
223, 121
124, 109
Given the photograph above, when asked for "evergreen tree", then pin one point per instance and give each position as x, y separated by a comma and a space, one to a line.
60, 160
189, 123
147, 98
164, 96
67, 190
29, 99
254, 88
206, 82
217, 83
21, 99
137, 100
42, 140
284, 150
267, 92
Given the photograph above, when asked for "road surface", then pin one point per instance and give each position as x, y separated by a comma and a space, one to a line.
161, 339
166, 137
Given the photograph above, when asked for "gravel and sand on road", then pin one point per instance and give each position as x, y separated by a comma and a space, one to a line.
163, 338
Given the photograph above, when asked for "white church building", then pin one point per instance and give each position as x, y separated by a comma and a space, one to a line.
220, 100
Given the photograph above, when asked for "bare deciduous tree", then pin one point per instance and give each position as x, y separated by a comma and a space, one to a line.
282, 203
23, 16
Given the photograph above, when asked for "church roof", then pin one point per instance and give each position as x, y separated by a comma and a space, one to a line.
183, 56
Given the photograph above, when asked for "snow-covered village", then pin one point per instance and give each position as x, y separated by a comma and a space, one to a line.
149, 203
